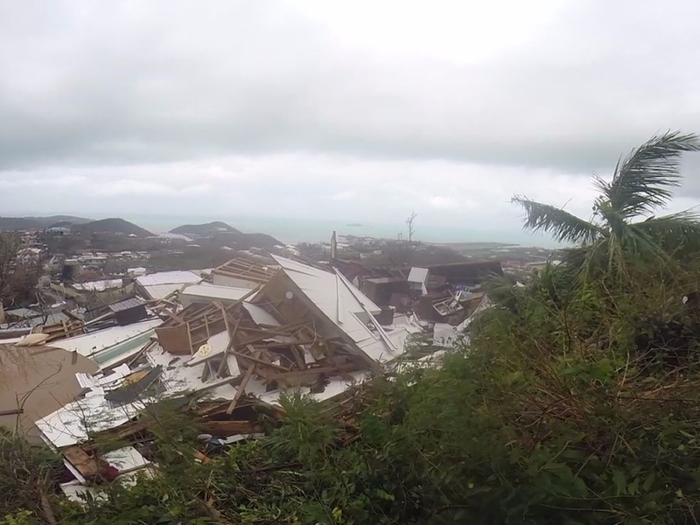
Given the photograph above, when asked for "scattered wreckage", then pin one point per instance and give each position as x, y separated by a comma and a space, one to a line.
225, 349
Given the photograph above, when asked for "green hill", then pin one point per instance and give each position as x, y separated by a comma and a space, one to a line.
113, 225
204, 230
37, 223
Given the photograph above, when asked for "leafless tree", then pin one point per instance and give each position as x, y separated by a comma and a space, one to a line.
10, 243
411, 228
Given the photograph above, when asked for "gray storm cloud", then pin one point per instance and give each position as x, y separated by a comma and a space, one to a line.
105, 89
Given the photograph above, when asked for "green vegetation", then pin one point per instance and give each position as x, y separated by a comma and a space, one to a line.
577, 402
641, 184
209, 228
115, 225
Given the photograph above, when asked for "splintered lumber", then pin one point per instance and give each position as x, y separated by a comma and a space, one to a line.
201, 457
245, 270
241, 388
231, 337
310, 372
259, 361
230, 428
174, 339
86, 465
63, 329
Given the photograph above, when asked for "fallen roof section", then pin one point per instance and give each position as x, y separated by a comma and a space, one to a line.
242, 273
174, 277
162, 285
98, 286
99, 343
344, 305
206, 292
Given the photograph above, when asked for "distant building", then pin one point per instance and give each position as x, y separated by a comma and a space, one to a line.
59, 230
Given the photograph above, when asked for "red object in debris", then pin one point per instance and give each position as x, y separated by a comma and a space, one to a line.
111, 473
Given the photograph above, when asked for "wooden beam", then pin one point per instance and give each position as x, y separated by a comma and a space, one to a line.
298, 354
329, 370
86, 465
259, 361
189, 338
241, 388
229, 428
231, 342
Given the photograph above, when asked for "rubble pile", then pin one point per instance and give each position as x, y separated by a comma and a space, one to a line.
226, 346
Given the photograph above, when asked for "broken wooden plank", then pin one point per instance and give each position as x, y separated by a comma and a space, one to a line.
309, 372
241, 388
230, 428
86, 465
259, 361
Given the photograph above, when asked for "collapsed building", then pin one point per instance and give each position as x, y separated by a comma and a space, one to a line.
252, 331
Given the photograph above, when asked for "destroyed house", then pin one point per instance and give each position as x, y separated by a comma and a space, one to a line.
466, 273
242, 273
161, 285
301, 328
128, 311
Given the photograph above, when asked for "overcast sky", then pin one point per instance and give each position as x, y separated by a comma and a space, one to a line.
343, 110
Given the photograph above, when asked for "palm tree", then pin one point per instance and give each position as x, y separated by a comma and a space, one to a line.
623, 222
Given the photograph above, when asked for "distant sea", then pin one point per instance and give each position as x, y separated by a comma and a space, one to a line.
296, 230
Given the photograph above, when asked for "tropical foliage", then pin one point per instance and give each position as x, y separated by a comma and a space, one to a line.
575, 402
623, 224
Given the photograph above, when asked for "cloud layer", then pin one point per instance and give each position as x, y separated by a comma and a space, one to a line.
315, 108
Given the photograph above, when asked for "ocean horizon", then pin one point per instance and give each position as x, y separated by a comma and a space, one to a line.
298, 230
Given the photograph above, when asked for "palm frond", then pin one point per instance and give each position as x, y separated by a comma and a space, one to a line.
585, 261
562, 225
644, 179
672, 232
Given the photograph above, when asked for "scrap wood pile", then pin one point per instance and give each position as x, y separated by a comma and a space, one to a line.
206, 416
74, 326
209, 418
256, 344
246, 270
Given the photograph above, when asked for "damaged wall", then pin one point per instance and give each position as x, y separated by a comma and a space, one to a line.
43, 378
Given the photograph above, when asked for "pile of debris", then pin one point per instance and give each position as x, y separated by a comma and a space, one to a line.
228, 346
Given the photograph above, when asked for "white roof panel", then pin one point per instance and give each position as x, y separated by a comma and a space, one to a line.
210, 291
95, 342
418, 275
174, 277
161, 291
98, 286
259, 315
341, 302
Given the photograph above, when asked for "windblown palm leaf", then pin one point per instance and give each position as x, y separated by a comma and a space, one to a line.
641, 183
563, 226
644, 180
679, 230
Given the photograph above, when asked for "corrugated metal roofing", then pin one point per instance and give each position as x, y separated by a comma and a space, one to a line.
126, 304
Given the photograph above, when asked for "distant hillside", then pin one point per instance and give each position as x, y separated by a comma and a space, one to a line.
112, 226
52, 219
37, 223
20, 223
204, 230
244, 241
